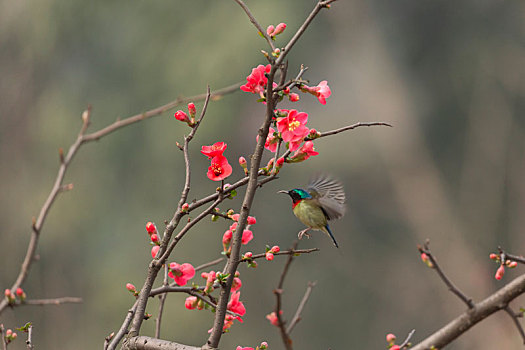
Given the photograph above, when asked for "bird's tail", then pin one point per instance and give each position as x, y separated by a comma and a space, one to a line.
329, 232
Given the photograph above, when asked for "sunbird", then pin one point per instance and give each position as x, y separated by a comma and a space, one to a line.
323, 200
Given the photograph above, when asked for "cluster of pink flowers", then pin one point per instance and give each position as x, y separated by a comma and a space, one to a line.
390, 338
256, 81
151, 229
183, 117
501, 269
247, 234
272, 317
181, 273
219, 168
270, 252
11, 297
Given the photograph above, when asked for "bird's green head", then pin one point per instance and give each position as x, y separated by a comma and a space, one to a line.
297, 194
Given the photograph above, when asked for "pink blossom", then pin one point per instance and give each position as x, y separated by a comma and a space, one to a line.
306, 151
270, 30
269, 256
293, 97
181, 273
512, 264
234, 305
500, 272
257, 80
247, 236
272, 317
154, 238
293, 126
217, 149
323, 91
251, 220
227, 237
237, 284
219, 168
241, 348
248, 255
185, 207
191, 303
275, 249
154, 251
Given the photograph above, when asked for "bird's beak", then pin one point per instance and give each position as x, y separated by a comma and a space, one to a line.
282, 191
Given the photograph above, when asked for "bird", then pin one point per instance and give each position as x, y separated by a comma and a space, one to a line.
323, 200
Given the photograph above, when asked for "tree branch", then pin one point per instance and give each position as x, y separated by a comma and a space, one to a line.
297, 317
495, 302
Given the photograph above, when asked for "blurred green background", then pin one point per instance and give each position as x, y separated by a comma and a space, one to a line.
448, 75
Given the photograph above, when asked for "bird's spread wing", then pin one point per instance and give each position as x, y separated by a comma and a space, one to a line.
330, 195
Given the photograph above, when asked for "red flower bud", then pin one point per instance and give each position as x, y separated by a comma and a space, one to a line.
269, 256
500, 272
192, 109
275, 249
154, 238
150, 227
390, 338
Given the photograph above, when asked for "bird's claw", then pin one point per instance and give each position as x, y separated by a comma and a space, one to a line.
303, 233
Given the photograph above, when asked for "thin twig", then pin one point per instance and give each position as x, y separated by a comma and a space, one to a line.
208, 264
29, 341
407, 339
297, 317
514, 318
278, 292
283, 252
425, 249
255, 23
54, 301
511, 257
162, 301
353, 126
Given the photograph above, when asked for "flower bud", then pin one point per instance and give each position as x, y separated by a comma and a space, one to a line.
269, 256
263, 346
512, 264
270, 30
494, 256
390, 338
293, 97
248, 255
500, 272
192, 109
131, 287
243, 164
181, 116
251, 220
185, 207
154, 251
20, 293
279, 29
150, 227
154, 238
275, 249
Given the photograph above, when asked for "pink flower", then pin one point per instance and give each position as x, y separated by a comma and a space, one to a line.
247, 236
303, 153
275, 249
217, 149
500, 272
181, 273
293, 126
154, 238
181, 116
185, 207
191, 303
19, 292
241, 348
323, 91
257, 80
293, 97
150, 227
154, 251
251, 220
494, 256
226, 239
7, 293
234, 305
248, 255
237, 284
269, 256
272, 317
512, 264
270, 30
131, 287
219, 168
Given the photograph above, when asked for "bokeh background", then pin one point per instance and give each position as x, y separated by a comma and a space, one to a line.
450, 77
